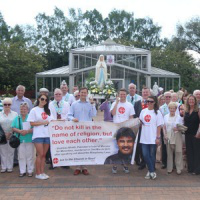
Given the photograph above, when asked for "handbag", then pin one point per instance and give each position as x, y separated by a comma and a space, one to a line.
15, 140
3, 139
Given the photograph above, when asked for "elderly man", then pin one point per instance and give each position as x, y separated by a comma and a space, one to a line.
132, 97
82, 110
139, 106
19, 98
75, 96
58, 107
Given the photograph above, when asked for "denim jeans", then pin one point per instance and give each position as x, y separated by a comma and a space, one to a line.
149, 153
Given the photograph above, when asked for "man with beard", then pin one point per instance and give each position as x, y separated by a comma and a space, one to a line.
125, 141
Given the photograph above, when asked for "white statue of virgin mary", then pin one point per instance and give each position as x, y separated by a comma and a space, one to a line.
101, 71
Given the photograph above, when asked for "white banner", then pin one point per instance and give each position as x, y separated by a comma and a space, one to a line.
85, 143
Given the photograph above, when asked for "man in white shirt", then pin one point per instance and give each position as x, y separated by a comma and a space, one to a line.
132, 97
121, 111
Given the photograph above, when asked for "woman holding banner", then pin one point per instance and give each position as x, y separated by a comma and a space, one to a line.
152, 120
39, 118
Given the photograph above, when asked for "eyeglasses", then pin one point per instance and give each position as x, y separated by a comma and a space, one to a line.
77, 96
23, 104
43, 99
5, 104
58, 94
168, 96
150, 101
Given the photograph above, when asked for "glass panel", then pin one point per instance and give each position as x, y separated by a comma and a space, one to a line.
119, 58
144, 62
88, 62
130, 77
81, 62
138, 62
56, 82
117, 72
169, 84
76, 62
133, 61
162, 83
126, 60
78, 80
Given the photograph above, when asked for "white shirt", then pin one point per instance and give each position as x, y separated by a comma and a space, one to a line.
71, 99
123, 111
6, 120
67, 97
64, 112
35, 115
149, 127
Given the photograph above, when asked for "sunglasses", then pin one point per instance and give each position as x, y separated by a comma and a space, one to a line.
77, 96
5, 104
23, 104
150, 101
43, 99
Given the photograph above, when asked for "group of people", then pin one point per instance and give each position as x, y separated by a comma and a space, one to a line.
163, 119
170, 119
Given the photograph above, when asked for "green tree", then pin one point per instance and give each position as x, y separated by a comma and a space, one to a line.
180, 63
190, 33
94, 27
18, 65
4, 29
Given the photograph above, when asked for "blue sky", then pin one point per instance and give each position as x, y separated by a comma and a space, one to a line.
165, 13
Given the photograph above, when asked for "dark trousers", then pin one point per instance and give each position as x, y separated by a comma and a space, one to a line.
193, 153
164, 149
139, 158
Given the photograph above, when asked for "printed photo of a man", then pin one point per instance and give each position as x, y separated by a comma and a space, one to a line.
125, 140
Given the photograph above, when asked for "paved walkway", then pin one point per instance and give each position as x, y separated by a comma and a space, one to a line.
101, 184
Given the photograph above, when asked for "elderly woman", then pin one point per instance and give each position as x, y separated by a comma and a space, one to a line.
191, 121
173, 139
23, 129
39, 118
6, 151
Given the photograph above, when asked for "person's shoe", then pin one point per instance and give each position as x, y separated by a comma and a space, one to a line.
153, 175
30, 174
147, 175
178, 172
85, 172
9, 170
114, 169
126, 170
169, 172
3, 170
22, 174
163, 167
141, 167
40, 176
77, 172
45, 175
